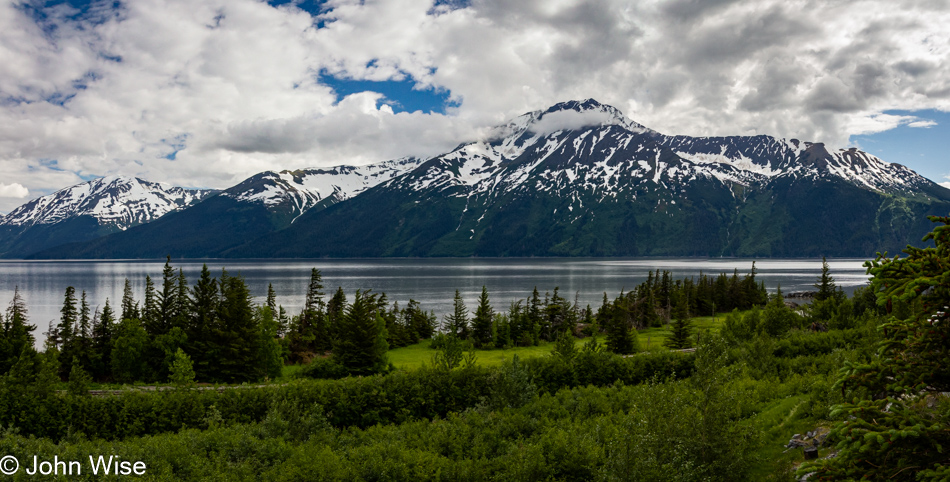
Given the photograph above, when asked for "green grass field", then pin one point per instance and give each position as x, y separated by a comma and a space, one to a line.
651, 339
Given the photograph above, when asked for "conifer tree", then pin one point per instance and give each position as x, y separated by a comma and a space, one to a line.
182, 314
203, 329
103, 330
361, 346
619, 339
150, 314
456, 324
777, 318
238, 333
564, 347
271, 299
533, 315
681, 330
83, 333
482, 323
18, 332
825, 284
129, 309
895, 425
167, 301
69, 316
335, 309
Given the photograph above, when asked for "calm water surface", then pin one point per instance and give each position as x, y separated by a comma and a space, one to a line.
432, 282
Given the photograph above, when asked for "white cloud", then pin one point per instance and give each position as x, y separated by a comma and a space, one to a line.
924, 123
230, 86
14, 190
570, 119
945, 184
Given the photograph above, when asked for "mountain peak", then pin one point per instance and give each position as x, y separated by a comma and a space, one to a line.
120, 201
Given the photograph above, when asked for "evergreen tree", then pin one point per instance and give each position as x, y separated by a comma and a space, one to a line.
271, 299
564, 347
18, 332
533, 316
103, 330
83, 334
895, 425
777, 318
335, 308
129, 308
619, 339
181, 318
456, 324
202, 332
825, 284
150, 314
79, 379
167, 302
66, 330
361, 346
238, 334
182, 372
681, 329
482, 323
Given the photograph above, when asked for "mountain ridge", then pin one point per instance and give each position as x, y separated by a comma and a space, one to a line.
620, 188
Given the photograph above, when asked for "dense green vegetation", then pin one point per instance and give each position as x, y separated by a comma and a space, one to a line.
868, 372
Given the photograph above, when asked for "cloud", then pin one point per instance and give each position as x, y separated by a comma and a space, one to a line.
945, 184
207, 94
14, 190
924, 123
570, 119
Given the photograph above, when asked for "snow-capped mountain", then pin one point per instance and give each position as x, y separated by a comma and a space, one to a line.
576, 179
591, 146
298, 191
117, 201
89, 210
579, 178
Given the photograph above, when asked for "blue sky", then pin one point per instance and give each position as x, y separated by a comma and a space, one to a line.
923, 149
205, 94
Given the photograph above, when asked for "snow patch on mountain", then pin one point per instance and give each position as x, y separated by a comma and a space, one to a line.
115, 200
302, 189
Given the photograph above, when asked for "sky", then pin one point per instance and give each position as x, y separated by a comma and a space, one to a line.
206, 93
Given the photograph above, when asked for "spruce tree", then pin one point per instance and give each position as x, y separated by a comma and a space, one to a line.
238, 343
83, 333
69, 316
271, 299
619, 339
150, 314
825, 284
456, 324
203, 342
129, 309
482, 323
335, 308
361, 346
103, 330
18, 332
533, 314
895, 423
681, 330
183, 305
167, 301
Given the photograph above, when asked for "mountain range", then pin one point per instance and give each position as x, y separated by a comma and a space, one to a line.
576, 179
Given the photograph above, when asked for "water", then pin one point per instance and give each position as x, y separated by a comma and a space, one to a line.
430, 281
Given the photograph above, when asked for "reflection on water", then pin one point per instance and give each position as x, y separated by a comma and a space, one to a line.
430, 281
